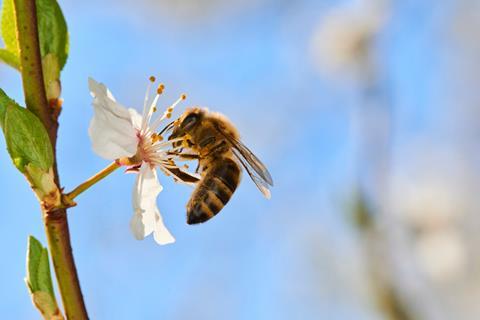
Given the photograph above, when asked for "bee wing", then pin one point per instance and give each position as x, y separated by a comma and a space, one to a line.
261, 184
254, 167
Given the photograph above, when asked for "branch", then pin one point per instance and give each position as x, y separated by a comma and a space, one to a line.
31, 65
58, 235
56, 224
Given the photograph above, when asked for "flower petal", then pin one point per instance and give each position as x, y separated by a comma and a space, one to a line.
111, 131
137, 227
160, 231
147, 217
136, 119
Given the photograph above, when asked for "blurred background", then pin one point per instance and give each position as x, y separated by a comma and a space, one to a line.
367, 115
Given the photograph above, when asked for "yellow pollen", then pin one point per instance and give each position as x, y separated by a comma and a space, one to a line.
183, 96
169, 115
156, 137
160, 88
185, 166
169, 110
152, 79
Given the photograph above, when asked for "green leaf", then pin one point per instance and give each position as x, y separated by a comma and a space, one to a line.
10, 54
26, 137
4, 101
9, 58
9, 26
38, 268
39, 280
52, 29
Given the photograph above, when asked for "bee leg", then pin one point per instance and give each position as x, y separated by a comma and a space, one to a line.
188, 156
198, 167
184, 156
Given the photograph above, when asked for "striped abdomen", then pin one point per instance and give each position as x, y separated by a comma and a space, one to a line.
213, 190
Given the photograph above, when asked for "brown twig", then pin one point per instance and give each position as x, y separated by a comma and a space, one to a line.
56, 223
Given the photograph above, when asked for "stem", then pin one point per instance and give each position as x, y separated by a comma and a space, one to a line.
31, 65
56, 223
90, 182
58, 235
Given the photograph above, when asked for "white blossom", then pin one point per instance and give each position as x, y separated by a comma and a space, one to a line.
125, 136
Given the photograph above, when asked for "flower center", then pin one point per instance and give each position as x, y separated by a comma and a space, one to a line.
151, 147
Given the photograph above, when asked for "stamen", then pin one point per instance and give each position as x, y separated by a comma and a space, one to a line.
153, 106
168, 113
182, 97
147, 96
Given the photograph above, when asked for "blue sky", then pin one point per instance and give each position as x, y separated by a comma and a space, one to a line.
290, 257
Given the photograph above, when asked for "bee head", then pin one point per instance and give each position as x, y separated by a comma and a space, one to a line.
187, 123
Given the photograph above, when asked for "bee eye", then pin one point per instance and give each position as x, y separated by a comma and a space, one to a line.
189, 121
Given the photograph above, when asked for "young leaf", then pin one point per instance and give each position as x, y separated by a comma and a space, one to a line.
26, 137
51, 77
53, 37
39, 281
52, 30
30, 149
10, 54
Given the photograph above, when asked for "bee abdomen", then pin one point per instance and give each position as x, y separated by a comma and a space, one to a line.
213, 191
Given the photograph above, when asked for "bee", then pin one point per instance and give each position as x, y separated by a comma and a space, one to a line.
212, 139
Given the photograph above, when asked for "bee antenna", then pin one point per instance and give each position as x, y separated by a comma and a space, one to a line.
167, 127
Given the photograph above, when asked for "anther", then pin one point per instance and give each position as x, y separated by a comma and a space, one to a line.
183, 96
156, 137
155, 109
160, 88
152, 79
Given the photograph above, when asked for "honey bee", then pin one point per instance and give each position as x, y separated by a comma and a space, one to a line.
212, 139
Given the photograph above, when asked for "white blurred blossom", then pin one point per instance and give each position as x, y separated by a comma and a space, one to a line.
431, 199
441, 254
344, 36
